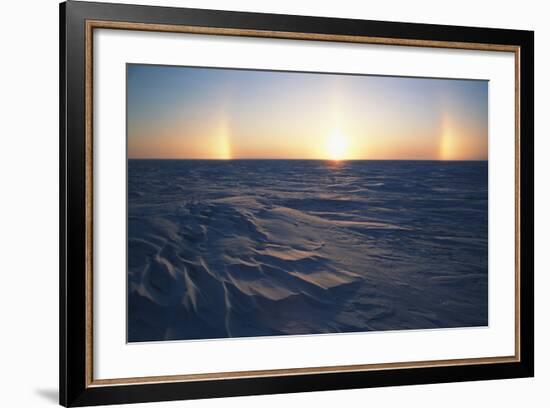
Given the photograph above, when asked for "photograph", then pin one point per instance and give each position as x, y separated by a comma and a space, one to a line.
270, 203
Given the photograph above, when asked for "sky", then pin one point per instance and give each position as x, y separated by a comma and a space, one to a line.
216, 113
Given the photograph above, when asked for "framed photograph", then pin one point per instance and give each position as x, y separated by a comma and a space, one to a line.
256, 203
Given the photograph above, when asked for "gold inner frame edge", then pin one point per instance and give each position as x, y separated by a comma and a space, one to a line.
92, 24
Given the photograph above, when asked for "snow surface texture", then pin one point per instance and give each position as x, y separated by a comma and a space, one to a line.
284, 247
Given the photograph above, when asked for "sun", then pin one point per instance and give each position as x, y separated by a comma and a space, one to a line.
336, 146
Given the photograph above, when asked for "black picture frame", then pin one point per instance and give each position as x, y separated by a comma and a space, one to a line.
75, 387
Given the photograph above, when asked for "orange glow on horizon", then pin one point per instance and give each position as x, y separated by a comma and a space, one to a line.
451, 142
221, 114
222, 142
457, 142
336, 146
